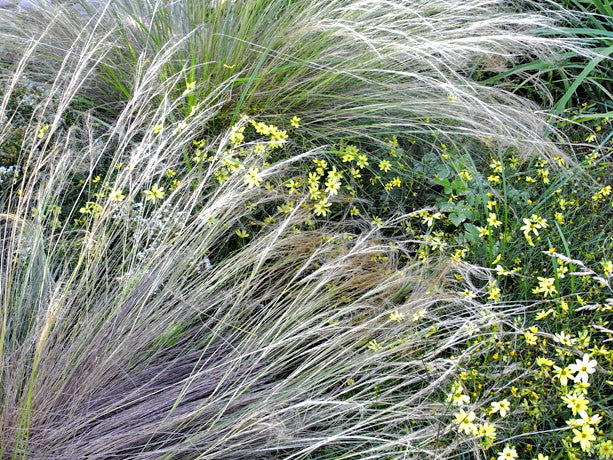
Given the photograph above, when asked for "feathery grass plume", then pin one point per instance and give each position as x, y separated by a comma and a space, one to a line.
363, 69
141, 332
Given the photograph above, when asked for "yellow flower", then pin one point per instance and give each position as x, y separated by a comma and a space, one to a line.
42, 131
544, 362
562, 374
605, 449
607, 267
294, 122
91, 208
252, 178
508, 453
501, 406
157, 129
466, 175
585, 419
418, 315
377, 222
362, 161
584, 437
487, 430
292, 186
459, 398
332, 185
564, 339
354, 211
576, 403
603, 192
530, 338
544, 314
483, 231
429, 219
174, 185
286, 207
321, 208
494, 292
393, 142
237, 137
242, 233
529, 227
384, 165
156, 193
546, 287
496, 166
583, 367
465, 422
541, 457
396, 316
116, 195
346, 157
277, 137
374, 345
493, 221
315, 193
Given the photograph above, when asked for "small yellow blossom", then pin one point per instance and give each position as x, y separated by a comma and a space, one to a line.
584, 437
252, 178
116, 195
362, 161
396, 316
494, 292
41, 133
385, 165
465, 175
322, 208
488, 431
544, 362
465, 423
607, 268
575, 402
493, 221
605, 450
582, 368
374, 345
501, 407
508, 453
530, 338
562, 374
156, 193
483, 231
546, 287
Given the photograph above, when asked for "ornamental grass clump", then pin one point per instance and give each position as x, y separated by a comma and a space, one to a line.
137, 323
347, 69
